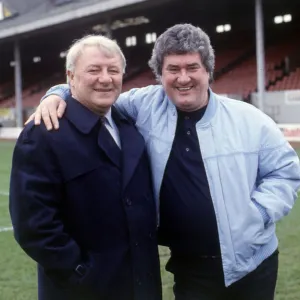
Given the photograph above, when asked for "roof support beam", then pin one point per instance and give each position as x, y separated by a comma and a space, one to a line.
76, 13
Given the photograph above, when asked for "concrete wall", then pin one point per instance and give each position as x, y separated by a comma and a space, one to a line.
282, 107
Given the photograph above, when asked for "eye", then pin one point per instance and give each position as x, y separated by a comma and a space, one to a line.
93, 70
193, 68
173, 70
114, 71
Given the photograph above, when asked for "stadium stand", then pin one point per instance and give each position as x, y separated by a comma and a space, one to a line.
290, 82
242, 79
235, 71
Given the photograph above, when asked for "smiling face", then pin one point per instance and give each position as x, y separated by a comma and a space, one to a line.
185, 80
96, 80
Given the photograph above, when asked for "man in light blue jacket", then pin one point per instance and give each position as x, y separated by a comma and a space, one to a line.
223, 173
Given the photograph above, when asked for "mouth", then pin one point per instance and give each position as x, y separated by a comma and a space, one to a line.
184, 89
103, 90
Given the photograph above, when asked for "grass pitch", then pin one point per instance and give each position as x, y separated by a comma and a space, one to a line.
18, 272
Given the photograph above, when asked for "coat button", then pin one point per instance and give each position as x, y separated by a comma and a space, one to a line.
136, 244
128, 201
80, 270
151, 235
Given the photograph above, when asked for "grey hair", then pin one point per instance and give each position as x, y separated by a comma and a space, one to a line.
182, 39
108, 46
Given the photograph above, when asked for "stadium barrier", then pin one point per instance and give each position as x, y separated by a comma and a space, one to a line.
10, 133
290, 131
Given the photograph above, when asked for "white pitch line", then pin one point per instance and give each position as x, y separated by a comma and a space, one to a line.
4, 229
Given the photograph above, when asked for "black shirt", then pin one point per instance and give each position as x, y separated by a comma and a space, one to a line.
187, 217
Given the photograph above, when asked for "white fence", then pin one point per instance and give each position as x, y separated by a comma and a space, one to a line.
10, 133
290, 131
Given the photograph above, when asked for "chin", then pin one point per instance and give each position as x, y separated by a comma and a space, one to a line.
184, 102
105, 101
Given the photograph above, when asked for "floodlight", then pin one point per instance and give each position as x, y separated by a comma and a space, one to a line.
227, 27
278, 19
220, 28
287, 18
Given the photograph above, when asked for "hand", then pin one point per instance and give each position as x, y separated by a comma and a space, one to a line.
49, 110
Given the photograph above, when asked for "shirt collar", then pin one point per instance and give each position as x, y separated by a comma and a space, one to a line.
194, 116
210, 111
108, 118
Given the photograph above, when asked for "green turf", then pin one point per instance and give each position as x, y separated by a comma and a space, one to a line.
18, 272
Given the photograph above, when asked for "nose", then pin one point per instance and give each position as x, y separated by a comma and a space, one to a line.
183, 78
104, 77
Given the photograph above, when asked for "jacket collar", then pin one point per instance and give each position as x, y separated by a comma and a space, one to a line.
85, 120
209, 112
80, 116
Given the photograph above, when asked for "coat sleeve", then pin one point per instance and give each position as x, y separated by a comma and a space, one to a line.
35, 203
278, 178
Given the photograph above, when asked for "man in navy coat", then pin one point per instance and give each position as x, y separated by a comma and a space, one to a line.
81, 198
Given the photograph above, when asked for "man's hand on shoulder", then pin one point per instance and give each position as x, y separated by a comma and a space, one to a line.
49, 111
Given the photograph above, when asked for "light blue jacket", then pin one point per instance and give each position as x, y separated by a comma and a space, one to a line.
253, 172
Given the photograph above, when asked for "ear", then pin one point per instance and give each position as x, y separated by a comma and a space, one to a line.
70, 76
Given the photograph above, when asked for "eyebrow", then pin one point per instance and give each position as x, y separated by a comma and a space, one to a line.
194, 65
188, 65
99, 66
93, 66
172, 66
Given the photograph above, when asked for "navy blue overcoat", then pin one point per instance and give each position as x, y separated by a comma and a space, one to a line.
84, 210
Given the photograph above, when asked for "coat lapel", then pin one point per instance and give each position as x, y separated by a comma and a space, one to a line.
85, 120
133, 146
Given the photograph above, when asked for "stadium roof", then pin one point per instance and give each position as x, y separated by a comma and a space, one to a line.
31, 15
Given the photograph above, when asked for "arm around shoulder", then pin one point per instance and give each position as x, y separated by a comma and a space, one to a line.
138, 100
61, 90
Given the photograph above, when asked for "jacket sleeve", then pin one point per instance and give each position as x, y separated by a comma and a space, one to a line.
35, 203
128, 103
61, 90
134, 101
278, 178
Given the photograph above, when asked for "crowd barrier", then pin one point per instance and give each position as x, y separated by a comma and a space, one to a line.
290, 131
10, 133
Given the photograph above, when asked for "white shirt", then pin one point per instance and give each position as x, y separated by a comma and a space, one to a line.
112, 128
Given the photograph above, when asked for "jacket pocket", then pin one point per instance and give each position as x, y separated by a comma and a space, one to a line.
94, 280
251, 233
247, 229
